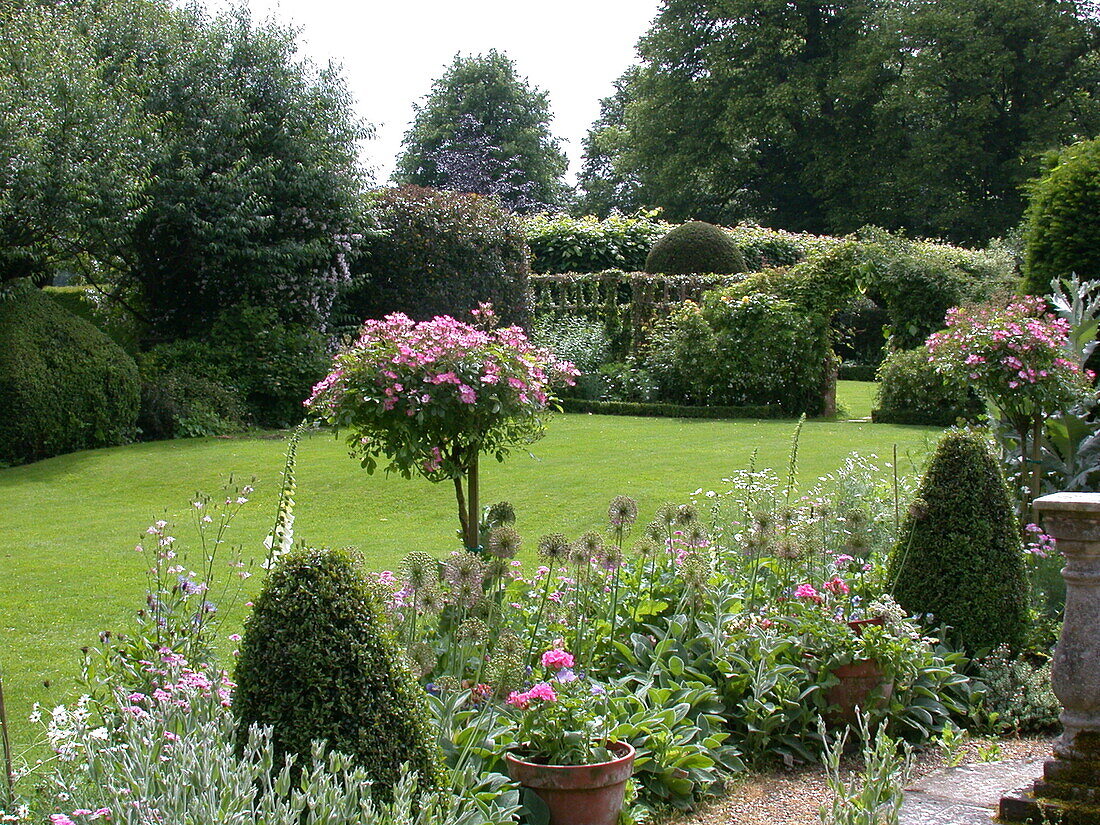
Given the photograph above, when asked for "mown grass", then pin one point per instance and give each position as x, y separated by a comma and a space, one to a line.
68, 525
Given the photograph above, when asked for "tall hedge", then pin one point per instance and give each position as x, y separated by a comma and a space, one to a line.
440, 253
316, 663
1062, 234
959, 556
64, 385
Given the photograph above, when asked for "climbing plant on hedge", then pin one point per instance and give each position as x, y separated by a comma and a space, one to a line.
430, 397
64, 385
959, 556
316, 663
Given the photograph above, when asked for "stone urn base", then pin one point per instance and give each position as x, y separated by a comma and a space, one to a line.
1067, 794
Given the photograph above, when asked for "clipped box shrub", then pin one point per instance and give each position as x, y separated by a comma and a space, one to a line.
1062, 234
439, 253
738, 349
316, 663
85, 302
959, 557
64, 385
911, 391
695, 247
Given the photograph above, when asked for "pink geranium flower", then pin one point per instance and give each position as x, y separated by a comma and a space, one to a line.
557, 659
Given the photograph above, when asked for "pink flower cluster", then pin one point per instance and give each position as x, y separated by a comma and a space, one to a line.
807, 591
1039, 544
63, 819
542, 691
1010, 353
557, 659
177, 683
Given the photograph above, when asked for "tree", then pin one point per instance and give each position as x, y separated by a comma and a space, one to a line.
484, 129
71, 136
254, 180
825, 116
430, 397
606, 183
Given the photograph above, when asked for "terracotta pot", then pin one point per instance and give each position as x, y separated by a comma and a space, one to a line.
858, 682
578, 794
858, 624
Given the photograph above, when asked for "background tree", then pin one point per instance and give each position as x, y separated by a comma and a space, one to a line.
926, 115
484, 126
606, 182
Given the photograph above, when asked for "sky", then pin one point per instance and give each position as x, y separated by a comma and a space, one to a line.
392, 51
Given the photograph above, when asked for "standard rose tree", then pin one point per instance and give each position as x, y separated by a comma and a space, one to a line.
430, 397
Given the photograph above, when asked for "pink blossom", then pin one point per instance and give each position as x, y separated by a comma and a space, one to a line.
543, 691
557, 659
519, 700
61, 819
837, 585
807, 591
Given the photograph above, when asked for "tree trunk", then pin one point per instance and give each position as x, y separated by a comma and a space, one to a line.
473, 490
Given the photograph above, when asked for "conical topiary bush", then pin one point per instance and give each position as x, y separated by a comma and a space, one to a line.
315, 664
959, 557
695, 247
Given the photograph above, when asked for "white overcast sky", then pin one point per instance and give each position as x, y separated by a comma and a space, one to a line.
392, 50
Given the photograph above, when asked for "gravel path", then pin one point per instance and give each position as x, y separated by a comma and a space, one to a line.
792, 797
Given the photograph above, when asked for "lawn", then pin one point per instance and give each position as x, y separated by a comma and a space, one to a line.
68, 525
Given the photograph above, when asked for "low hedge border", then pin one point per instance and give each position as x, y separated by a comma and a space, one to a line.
580, 405
937, 419
857, 372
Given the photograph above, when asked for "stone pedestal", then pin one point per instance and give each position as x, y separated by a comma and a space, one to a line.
1069, 791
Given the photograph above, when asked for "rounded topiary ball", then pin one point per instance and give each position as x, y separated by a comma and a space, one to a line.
316, 663
959, 556
695, 247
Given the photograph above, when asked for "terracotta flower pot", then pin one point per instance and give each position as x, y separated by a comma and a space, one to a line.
858, 682
578, 794
857, 625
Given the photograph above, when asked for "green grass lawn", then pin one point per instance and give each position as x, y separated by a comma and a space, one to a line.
68, 525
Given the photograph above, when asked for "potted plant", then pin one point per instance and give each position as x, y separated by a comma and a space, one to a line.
564, 755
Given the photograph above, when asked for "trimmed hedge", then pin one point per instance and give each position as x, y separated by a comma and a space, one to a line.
64, 385
695, 247
1062, 234
578, 405
959, 557
915, 417
118, 325
856, 372
561, 244
439, 253
316, 663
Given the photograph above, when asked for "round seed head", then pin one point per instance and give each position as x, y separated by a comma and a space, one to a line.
553, 547
504, 542
622, 512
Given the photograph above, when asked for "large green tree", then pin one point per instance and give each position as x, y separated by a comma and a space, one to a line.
485, 129
825, 116
71, 136
607, 181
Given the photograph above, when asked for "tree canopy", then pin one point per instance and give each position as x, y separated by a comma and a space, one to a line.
485, 129
926, 115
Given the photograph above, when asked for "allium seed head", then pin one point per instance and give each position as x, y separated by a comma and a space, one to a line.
553, 547
504, 542
622, 512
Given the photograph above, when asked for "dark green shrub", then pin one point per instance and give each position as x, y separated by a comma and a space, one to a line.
115, 322
64, 385
849, 371
440, 253
910, 388
187, 392
1062, 234
738, 349
959, 557
316, 663
651, 410
695, 247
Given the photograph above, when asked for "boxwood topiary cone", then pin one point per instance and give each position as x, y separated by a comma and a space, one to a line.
315, 663
959, 556
695, 247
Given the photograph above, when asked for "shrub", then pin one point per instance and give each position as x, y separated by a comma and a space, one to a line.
562, 244
440, 253
316, 664
738, 349
88, 303
1018, 694
1062, 234
186, 392
64, 385
909, 386
695, 247
959, 557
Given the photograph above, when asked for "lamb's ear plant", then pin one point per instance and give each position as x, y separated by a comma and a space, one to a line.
874, 796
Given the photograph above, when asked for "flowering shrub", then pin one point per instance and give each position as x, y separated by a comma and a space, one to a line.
1016, 356
431, 396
